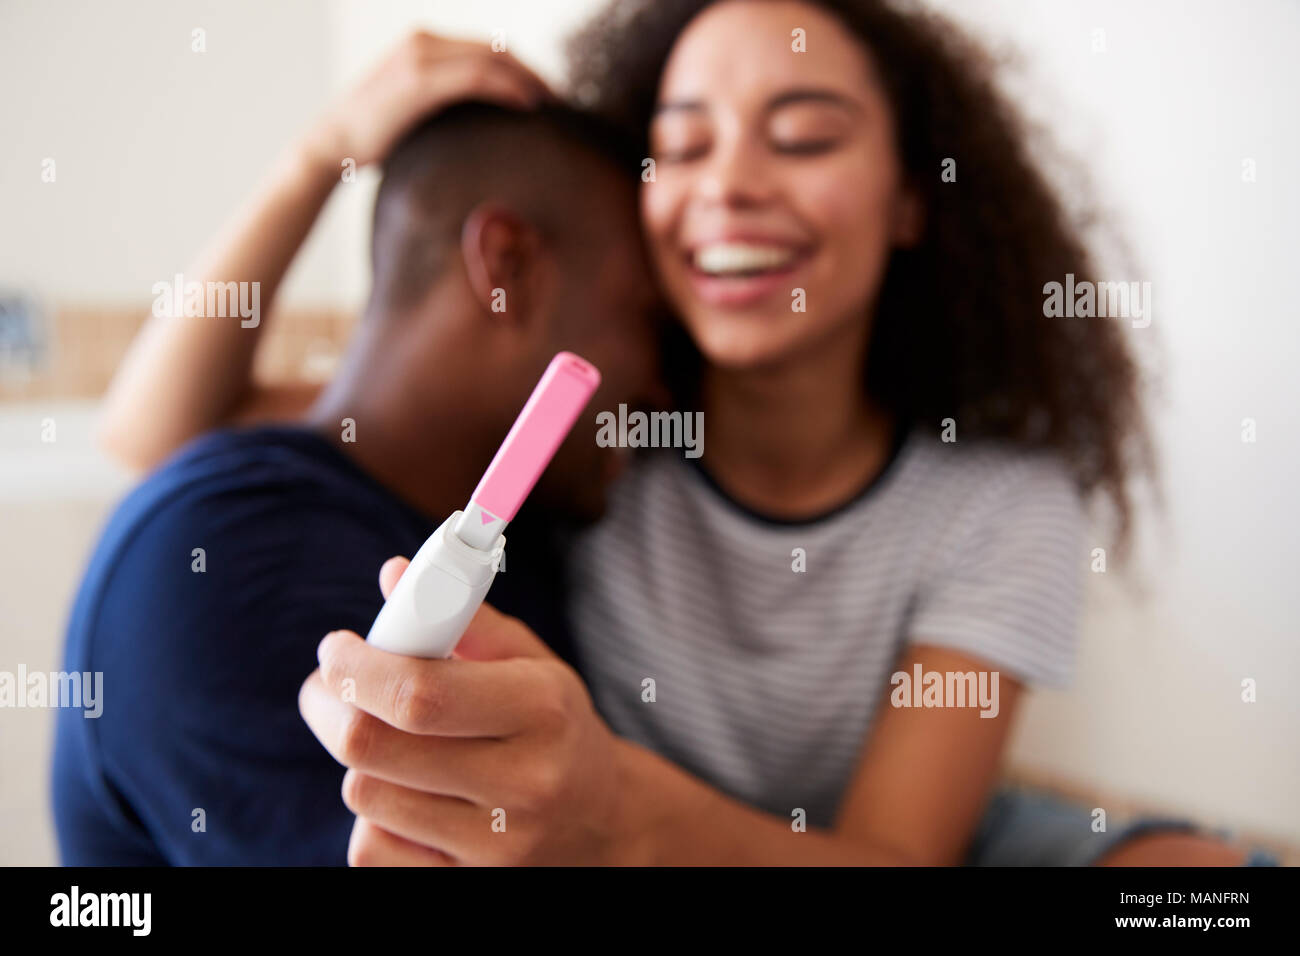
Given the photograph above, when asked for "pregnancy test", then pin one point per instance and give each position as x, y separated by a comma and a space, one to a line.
449, 576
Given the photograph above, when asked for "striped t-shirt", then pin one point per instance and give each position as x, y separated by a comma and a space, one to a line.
766, 678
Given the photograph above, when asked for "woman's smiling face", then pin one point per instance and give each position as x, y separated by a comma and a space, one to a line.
775, 171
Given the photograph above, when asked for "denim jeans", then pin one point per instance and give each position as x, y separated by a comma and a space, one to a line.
1023, 827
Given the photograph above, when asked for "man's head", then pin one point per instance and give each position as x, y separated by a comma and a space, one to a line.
500, 238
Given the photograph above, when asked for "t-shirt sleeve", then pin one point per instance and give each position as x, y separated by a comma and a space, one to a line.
1006, 587
203, 654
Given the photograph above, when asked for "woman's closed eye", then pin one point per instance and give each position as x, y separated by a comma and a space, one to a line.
683, 153
808, 128
806, 147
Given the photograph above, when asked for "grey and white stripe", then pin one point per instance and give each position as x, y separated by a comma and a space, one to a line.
767, 680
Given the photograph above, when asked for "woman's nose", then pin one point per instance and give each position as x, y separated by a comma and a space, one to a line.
735, 174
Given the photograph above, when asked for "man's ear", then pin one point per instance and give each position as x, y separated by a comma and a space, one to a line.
504, 259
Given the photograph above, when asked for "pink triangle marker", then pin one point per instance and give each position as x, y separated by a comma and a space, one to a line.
487, 518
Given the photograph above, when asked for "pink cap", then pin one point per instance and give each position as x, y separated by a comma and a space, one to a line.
560, 396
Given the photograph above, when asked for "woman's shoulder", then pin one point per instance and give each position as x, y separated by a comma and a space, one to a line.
983, 469
957, 494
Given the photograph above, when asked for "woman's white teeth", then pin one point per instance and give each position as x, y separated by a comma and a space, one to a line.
725, 258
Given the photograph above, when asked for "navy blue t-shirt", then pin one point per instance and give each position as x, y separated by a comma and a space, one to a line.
200, 755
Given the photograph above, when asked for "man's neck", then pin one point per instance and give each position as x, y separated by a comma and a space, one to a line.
430, 454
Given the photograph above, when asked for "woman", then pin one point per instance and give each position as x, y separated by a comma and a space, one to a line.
844, 217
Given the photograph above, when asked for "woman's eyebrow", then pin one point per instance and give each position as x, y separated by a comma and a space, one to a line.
813, 95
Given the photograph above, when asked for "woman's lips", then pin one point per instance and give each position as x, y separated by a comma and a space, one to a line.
742, 272
743, 289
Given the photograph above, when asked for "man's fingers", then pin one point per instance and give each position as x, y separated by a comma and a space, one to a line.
451, 698
370, 845
455, 766
462, 829
391, 573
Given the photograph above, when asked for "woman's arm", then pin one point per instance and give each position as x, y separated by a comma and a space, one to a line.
920, 787
183, 376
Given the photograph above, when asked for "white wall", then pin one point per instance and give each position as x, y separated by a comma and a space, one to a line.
1182, 94
154, 144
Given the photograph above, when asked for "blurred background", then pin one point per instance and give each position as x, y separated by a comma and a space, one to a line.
1182, 112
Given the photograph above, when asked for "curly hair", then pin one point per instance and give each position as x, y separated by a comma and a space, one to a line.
959, 326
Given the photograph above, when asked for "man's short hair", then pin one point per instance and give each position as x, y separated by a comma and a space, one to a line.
540, 163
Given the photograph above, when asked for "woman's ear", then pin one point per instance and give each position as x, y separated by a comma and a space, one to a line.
503, 257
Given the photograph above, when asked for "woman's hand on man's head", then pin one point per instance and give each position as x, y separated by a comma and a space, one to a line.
421, 75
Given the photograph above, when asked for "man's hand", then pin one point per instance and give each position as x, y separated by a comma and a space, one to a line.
495, 756
421, 75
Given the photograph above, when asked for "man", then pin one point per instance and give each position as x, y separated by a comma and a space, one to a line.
500, 238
